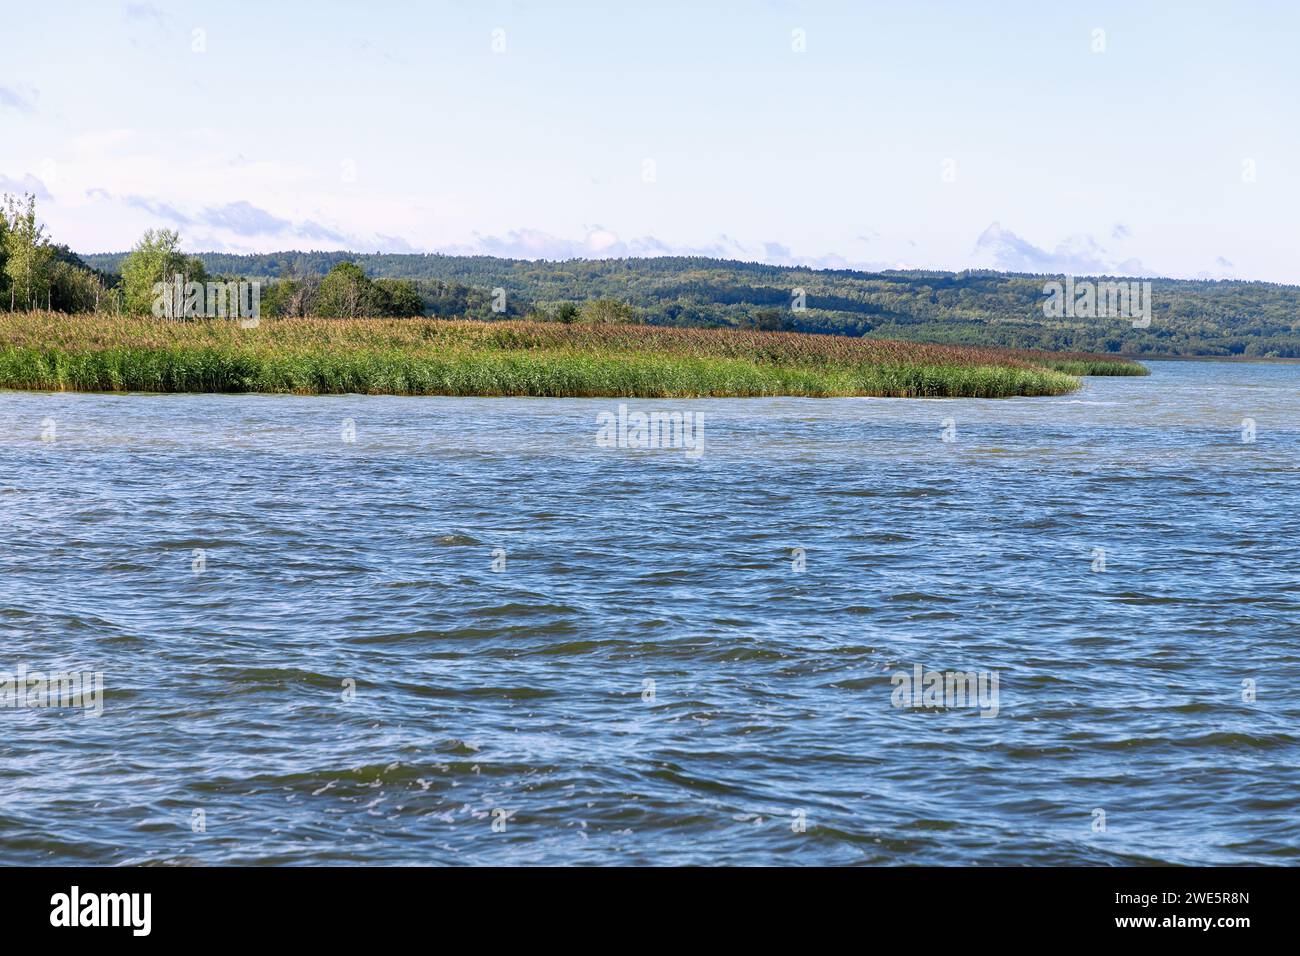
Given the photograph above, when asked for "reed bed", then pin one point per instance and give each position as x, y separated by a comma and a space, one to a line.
1082, 363
52, 351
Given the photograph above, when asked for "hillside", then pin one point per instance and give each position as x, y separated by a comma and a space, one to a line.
1189, 317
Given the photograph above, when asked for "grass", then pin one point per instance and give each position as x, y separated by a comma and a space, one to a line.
1082, 363
102, 353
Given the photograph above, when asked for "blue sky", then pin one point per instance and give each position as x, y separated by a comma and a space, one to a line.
906, 134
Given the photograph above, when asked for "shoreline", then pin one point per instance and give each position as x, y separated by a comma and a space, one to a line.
52, 352
1230, 359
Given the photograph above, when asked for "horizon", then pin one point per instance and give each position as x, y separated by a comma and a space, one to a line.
725, 261
482, 130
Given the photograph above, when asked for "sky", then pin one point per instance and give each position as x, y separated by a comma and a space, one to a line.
1136, 138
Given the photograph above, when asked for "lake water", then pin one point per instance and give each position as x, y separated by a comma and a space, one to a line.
308, 656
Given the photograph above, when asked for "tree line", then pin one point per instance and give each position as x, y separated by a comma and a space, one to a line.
977, 307
37, 274
1190, 317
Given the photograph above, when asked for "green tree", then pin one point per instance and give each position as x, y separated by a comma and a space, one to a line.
293, 295
4, 276
74, 289
28, 255
771, 320
347, 292
277, 296
399, 298
608, 312
155, 258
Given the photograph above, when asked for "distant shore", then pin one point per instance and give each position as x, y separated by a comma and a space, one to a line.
1247, 359
106, 353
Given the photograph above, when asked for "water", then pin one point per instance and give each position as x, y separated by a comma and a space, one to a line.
520, 698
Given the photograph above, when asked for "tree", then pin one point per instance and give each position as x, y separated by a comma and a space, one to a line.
566, 313
74, 289
347, 292
155, 258
27, 254
771, 320
276, 296
399, 298
4, 276
609, 312
294, 295
4, 228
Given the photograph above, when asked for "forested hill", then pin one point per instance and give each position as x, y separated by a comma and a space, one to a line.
974, 308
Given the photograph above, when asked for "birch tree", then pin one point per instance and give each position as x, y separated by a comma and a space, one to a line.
28, 256
155, 258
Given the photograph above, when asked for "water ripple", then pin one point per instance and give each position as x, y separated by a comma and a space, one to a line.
473, 636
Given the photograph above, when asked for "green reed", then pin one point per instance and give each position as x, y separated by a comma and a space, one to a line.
431, 357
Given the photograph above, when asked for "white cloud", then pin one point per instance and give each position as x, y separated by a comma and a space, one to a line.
145, 13
1076, 255
21, 99
1223, 268
601, 243
28, 184
153, 207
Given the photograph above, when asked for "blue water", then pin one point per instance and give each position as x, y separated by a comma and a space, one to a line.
506, 716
